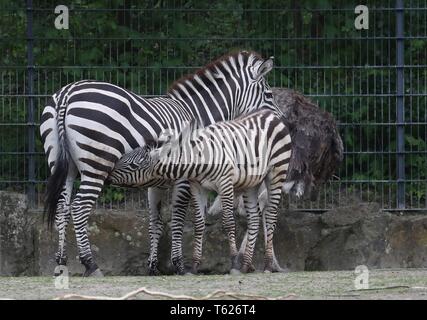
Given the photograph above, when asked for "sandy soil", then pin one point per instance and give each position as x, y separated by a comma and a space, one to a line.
383, 284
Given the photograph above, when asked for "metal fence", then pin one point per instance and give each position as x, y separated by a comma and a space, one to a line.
373, 81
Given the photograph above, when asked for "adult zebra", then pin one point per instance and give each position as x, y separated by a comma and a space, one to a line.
229, 157
88, 125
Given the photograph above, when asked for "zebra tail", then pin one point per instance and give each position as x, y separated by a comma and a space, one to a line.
55, 185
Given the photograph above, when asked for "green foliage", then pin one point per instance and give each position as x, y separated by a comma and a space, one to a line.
110, 194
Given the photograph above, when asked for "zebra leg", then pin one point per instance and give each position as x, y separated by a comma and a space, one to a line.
63, 215
155, 228
263, 201
275, 266
81, 207
227, 200
180, 199
215, 208
200, 205
274, 189
250, 198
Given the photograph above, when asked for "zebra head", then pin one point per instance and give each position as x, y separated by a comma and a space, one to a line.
255, 91
231, 86
135, 167
146, 165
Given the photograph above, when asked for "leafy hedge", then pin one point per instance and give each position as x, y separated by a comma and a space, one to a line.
145, 46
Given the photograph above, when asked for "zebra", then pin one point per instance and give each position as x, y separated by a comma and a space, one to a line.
88, 125
229, 157
317, 150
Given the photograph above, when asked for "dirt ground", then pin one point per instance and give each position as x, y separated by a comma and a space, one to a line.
383, 284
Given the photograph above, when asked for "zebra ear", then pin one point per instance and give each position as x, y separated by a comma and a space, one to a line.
141, 153
265, 68
164, 140
154, 155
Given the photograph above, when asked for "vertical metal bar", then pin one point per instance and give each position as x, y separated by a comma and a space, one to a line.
30, 105
400, 61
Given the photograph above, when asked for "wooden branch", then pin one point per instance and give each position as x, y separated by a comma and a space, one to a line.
214, 295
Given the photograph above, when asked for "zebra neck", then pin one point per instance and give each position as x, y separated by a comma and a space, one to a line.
171, 170
219, 104
176, 164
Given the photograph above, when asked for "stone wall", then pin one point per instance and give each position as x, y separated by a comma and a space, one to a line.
17, 250
339, 239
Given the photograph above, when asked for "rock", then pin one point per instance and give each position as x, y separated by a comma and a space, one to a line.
406, 242
348, 215
340, 239
120, 244
377, 240
16, 236
296, 234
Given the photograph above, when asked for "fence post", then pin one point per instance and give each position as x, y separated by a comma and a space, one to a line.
30, 105
400, 111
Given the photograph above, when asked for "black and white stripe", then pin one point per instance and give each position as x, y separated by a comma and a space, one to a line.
87, 125
228, 157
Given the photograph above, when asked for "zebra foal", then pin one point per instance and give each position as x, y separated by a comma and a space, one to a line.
230, 157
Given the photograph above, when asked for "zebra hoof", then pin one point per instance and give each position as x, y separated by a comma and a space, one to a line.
96, 273
268, 266
195, 268
178, 266
268, 269
180, 272
153, 270
247, 268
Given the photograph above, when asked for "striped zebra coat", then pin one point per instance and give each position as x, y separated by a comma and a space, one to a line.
230, 157
88, 125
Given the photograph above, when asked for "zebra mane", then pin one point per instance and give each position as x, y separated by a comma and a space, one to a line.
212, 67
